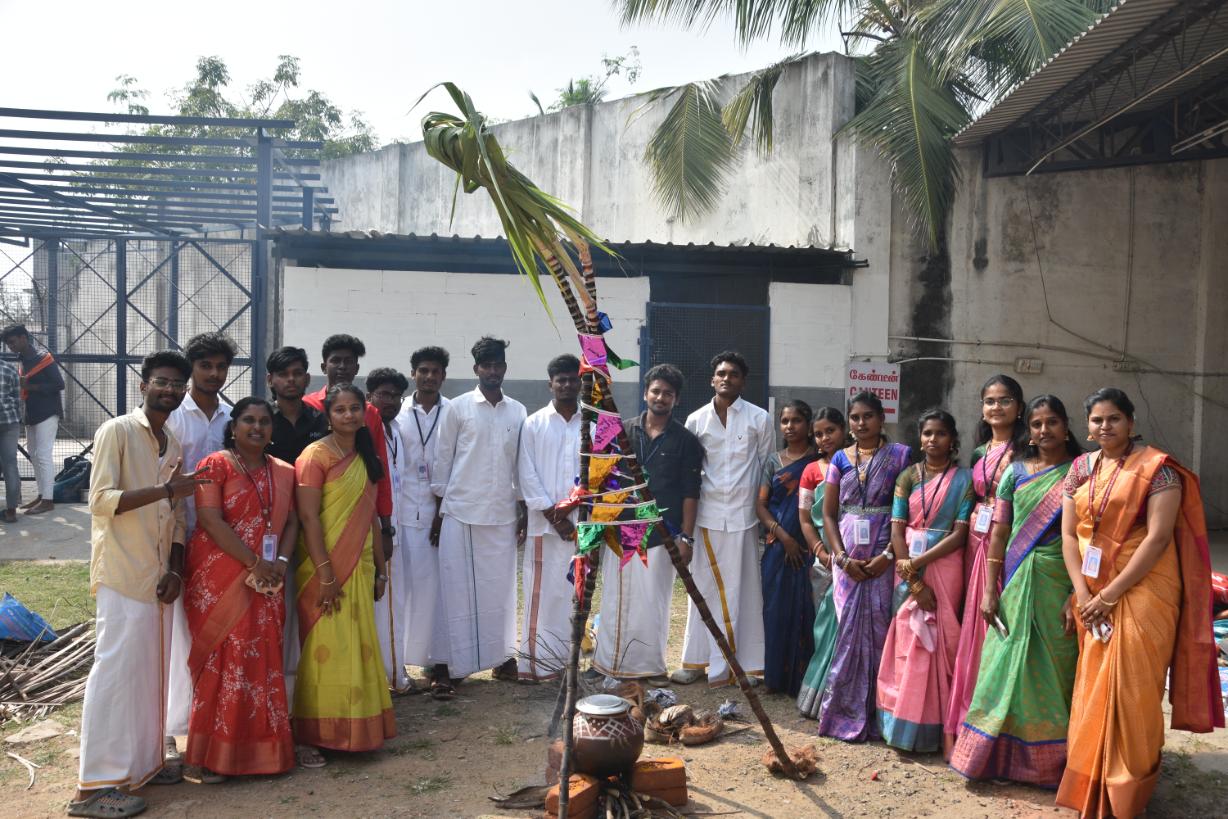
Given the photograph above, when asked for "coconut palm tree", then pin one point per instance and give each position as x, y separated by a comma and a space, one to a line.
923, 68
541, 230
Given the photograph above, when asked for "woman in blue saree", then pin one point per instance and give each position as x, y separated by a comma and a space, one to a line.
788, 604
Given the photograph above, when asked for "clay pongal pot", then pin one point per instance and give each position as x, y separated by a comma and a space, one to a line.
607, 738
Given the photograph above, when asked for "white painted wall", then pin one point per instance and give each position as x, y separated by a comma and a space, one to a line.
396, 312
810, 334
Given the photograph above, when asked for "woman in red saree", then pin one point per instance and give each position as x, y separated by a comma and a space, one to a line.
1135, 544
240, 723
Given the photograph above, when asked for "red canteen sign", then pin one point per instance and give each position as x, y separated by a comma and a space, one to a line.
877, 378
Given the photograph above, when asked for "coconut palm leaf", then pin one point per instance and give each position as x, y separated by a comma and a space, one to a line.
1001, 42
911, 118
753, 20
690, 154
753, 105
533, 221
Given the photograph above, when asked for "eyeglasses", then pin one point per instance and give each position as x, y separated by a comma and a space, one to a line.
384, 395
165, 383
998, 402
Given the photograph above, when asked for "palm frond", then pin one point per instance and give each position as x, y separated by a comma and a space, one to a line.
690, 154
1001, 42
795, 20
531, 219
911, 118
753, 104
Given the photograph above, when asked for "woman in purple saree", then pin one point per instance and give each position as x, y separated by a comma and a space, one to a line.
857, 515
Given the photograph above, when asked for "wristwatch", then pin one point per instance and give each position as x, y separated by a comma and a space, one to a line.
685, 538
389, 530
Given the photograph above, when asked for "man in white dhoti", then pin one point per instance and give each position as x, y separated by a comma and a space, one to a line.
548, 467
137, 525
199, 424
736, 437
474, 471
426, 642
635, 599
386, 391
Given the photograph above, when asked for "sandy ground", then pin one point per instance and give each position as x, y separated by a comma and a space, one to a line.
449, 758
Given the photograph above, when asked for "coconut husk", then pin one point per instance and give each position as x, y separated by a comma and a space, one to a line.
805, 759
706, 727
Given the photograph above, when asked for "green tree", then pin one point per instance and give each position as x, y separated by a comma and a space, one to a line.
592, 89
923, 68
209, 94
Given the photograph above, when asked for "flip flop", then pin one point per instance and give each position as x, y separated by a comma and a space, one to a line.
108, 803
168, 775
203, 776
308, 756
442, 691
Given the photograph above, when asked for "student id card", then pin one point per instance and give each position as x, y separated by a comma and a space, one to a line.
268, 548
984, 517
861, 532
424, 474
1091, 561
916, 544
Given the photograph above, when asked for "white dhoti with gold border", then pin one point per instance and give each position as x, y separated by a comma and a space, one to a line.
726, 570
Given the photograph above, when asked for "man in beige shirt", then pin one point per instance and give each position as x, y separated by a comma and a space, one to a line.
137, 487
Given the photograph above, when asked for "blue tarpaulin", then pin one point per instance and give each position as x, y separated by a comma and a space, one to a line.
19, 623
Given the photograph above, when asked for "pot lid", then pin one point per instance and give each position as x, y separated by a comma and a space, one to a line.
603, 705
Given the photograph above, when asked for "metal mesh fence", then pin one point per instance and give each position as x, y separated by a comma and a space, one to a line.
688, 335
73, 295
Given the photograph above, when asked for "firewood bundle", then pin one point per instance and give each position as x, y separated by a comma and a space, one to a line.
40, 677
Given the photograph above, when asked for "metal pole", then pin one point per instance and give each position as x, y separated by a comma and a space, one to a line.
308, 207
121, 327
53, 293
260, 257
172, 301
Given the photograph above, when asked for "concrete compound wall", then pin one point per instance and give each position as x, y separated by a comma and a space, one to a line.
1135, 267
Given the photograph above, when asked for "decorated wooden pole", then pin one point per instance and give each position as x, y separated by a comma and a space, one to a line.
538, 227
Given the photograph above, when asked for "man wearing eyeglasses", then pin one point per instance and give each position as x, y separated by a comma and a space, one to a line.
386, 391
137, 530
199, 422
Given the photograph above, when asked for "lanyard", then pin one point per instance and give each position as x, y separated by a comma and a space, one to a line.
926, 509
394, 443
869, 473
989, 477
418, 424
1097, 514
266, 509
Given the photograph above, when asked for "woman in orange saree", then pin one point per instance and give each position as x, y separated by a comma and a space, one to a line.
1134, 541
246, 531
341, 699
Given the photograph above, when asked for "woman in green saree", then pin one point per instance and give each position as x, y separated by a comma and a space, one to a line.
830, 434
1016, 725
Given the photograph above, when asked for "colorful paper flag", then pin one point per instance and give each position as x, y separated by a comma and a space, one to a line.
607, 430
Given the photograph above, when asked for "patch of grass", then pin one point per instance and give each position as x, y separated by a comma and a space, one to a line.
507, 735
447, 711
422, 747
429, 784
1185, 789
59, 592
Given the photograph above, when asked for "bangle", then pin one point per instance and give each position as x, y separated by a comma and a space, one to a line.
381, 577
323, 563
817, 545
255, 563
1106, 602
284, 559
177, 574
993, 560
328, 583
916, 586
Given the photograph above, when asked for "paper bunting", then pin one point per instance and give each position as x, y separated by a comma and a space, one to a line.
648, 511
589, 536
599, 468
593, 354
619, 363
626, 557
608, 428
634, 535
580, 567
604, 325
606, 513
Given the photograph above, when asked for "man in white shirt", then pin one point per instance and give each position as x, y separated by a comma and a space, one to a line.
426, 643
199, 424
736, 437
548, 467
386, 391
474, 472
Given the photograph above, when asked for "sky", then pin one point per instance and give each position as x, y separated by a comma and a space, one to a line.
376, 57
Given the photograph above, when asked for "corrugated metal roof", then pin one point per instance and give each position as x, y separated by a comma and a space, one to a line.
1102, 38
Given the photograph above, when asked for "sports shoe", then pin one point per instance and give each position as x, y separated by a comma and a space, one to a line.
686, 676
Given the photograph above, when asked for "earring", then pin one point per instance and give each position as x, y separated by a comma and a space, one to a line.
1031, 443
1090, 437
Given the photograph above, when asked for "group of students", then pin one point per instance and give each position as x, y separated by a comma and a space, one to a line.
1023, 616
265, 574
